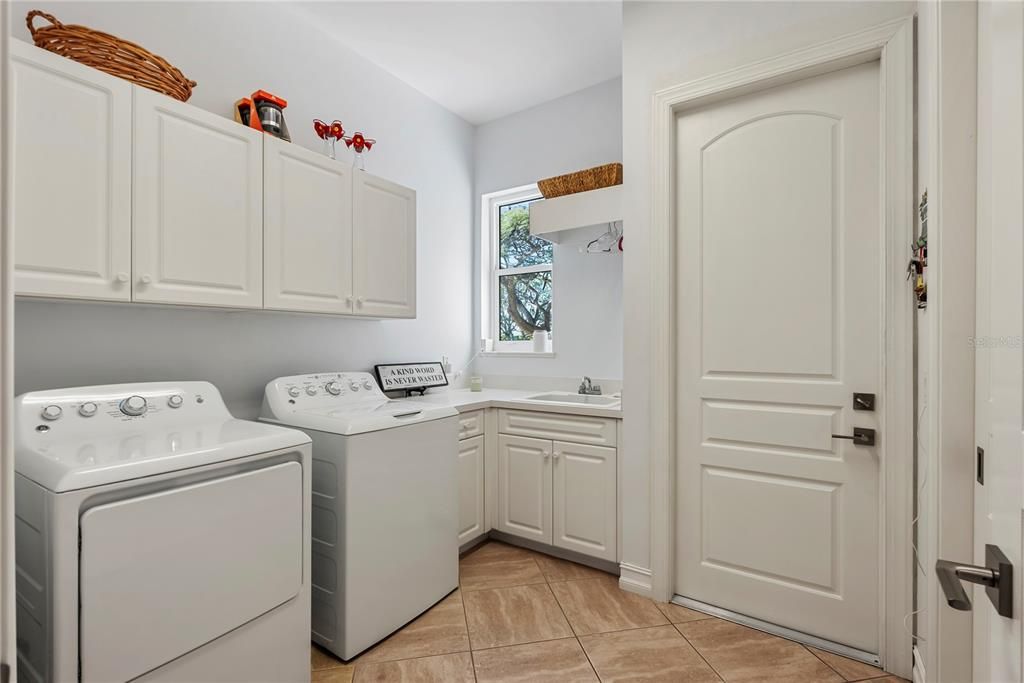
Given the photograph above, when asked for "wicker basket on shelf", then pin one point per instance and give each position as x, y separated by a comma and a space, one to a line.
111, 54
581, 181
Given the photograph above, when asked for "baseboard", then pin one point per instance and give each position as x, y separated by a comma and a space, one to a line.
560, 553
918, 672
635, 579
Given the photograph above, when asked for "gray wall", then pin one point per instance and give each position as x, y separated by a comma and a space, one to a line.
574, 132
232, 49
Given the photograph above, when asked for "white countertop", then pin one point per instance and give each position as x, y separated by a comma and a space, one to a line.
464, 400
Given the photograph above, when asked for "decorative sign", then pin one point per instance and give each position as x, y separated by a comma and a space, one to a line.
410, 377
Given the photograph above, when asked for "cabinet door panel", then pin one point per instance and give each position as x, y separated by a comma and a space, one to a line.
471, 488
198, 209
71, 190
384, 247
307, 201
524, 487
585, 499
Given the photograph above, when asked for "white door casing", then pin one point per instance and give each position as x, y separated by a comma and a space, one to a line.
524, 487
471, 488
198, 209
584, 499
307, 230
71, 198
999, 502
892, 45
383, 247
779, 295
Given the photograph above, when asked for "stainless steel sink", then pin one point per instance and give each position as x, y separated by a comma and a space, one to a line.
575, 399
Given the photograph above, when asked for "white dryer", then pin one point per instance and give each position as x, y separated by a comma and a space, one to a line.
385, 518
158, 538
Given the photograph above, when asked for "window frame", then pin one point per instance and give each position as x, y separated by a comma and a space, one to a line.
491, 270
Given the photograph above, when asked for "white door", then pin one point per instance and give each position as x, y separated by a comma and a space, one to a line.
999, 502
72, 164
584, 499
471, 488
780, 322
524, 487
198, 206
307, 230
384, 247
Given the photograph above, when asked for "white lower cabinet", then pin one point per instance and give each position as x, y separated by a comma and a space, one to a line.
524, 487
584, 499
557, 492
471, 488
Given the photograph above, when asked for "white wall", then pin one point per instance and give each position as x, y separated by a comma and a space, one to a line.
665, 44
574, 132
233, 49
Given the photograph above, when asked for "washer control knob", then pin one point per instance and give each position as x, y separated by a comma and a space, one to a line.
353, 385
133, 406
333, 388
367, 385
175, 400
87, 409
293, 392
311, 391
52, 413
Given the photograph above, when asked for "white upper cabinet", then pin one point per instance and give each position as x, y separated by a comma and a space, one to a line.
71, 190
384, 247
307, 200
198, 206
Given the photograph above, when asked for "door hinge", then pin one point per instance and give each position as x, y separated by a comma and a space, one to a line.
981, 465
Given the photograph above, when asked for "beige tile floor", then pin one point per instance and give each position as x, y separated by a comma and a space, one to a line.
522, 616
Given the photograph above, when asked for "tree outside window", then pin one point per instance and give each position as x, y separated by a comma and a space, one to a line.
523, 275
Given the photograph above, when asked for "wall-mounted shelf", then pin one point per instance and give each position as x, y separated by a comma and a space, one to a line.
552, 218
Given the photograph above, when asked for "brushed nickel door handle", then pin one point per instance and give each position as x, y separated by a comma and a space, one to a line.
862, 436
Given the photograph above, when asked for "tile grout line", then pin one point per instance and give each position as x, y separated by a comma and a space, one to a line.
815, 655
465, 620
575, 634
699, 653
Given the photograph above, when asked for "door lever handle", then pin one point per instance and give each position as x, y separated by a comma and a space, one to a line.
996, 576
862, 436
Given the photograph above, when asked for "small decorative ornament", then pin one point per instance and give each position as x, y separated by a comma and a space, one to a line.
330, 133
359, 144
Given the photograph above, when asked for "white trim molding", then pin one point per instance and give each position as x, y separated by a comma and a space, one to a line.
635, 579
892, 44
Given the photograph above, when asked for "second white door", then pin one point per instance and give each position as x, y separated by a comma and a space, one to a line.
780, 322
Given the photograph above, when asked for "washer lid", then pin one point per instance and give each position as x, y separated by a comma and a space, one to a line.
70, 439
360, 418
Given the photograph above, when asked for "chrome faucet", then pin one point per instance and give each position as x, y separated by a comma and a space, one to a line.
588, 388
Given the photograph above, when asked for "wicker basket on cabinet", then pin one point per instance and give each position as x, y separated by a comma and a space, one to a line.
111, 54
581, 181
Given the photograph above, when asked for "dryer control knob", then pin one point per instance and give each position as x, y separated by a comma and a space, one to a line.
293, 392
87, 409
311, 391
354, 386
52, 413
367, 385
133, 406
333, 388
175, 400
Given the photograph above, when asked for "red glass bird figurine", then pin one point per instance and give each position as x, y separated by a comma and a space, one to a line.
330, 133
359, 144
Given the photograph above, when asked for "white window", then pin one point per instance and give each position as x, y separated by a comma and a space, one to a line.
516, 279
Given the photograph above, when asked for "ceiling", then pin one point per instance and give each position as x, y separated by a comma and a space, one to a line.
484, 59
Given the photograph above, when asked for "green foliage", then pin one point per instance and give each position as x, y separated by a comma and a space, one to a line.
524, 300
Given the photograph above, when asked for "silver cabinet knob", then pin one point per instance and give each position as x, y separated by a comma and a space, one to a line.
360, 301
146, 279
122, 277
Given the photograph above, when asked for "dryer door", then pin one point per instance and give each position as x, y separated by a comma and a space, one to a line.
165, 573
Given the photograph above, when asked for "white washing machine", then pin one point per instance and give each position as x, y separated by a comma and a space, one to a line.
158, 538
385, 518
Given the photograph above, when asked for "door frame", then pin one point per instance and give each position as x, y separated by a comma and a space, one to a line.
892, 44
8, 646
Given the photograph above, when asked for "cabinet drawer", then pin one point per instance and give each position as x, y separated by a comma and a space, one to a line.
471, 424
596, 431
